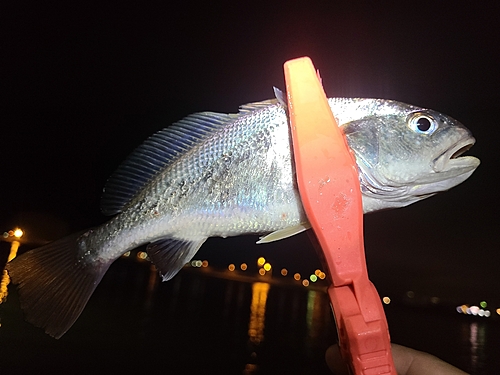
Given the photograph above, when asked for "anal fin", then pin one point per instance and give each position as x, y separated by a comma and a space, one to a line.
170, 255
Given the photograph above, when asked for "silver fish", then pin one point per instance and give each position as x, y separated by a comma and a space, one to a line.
214, 174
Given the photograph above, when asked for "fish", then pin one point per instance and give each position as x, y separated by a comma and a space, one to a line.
219, 175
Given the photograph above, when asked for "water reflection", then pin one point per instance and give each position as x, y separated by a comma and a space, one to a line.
258, 312
198, 324
256, 323
474, 340
151, 288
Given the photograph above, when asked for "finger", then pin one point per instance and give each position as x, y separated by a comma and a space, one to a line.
406, 361
413, 362
335, 362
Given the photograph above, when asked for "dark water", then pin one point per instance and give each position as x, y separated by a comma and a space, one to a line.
198, 324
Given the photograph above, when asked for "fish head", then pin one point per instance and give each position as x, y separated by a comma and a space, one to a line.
408, 154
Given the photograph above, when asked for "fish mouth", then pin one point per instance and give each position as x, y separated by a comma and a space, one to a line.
453, 163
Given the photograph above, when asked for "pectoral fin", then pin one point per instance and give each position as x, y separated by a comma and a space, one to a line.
284, 233
170, 255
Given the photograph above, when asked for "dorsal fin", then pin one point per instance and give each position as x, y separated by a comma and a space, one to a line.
280, 95
250, 107
155, 154
161, 149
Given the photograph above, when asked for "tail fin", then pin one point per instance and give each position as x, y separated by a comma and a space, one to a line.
54, 285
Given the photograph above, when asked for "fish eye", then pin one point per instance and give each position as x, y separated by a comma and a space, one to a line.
422, 124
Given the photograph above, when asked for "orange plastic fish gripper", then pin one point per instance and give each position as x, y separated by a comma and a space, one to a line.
329, 188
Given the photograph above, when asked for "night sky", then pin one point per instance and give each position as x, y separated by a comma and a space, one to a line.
82, 84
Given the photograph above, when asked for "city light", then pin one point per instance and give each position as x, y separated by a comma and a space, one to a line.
498, 311
475, 310
322, 275
267, 267
313, 278
231, 267
243, 266
198, 263
483, 304
284, 271
435, 300
262, 271
17, 233
305, 282
297, 276
142, 255
386, 300
261, 261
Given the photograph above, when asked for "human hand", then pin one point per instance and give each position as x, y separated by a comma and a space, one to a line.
407, 362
